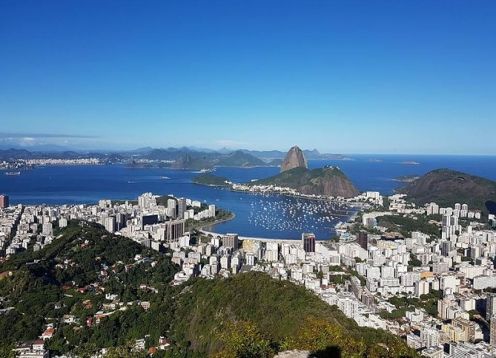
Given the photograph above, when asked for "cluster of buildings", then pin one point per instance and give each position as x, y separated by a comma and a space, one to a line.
32, 349
146, 221
367, 197
436, 291
112, 304
17, 164
445, 280
459, 211
5, 165
457, 266
54, 161
153, 221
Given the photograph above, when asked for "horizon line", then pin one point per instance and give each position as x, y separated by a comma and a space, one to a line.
200, 150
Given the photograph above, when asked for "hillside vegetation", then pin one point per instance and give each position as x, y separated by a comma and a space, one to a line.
252, 315
249, 315
240, 159
198, 160
322, 181
447, 187
210, 180
70, 277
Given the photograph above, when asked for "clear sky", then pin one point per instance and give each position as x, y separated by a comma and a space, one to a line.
340, 76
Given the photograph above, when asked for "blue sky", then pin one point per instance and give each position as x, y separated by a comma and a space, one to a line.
340, 76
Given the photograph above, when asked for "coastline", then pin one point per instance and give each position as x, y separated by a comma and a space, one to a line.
232, 216
275, 192
262, 239
212, 185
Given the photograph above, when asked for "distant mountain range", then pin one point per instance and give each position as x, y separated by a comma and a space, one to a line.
309, 154
179, 158
329, 181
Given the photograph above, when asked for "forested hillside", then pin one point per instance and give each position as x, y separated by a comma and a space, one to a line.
102, 291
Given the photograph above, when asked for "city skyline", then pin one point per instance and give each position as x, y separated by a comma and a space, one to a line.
354, 77
264, 179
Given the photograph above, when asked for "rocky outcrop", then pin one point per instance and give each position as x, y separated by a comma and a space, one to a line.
294, 159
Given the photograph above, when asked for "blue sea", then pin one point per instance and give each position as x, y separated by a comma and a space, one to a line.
259, 216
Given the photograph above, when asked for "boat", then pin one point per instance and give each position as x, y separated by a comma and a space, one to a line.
13, 173
164, 177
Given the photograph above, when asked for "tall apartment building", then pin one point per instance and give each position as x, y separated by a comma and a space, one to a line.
4, 201
308, 241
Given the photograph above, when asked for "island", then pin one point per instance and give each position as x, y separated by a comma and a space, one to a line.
211, 180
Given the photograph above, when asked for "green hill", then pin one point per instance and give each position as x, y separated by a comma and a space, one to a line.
447, 187
240, 159
252, 315
322, 181
193, 161
198, 160
210, 180
249, 315
67, 277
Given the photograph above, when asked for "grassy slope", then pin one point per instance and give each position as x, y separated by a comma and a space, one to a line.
261, 314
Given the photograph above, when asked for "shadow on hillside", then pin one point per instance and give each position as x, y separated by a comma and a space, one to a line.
491, 207
329, 352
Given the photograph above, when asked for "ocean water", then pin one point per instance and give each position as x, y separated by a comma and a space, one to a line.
260, 216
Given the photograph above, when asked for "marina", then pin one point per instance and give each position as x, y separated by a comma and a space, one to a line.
285, 213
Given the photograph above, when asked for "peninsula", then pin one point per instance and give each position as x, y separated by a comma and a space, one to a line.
327, 181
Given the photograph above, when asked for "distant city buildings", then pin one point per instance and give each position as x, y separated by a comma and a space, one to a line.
492, 331
144, 221
362, 240
441, 268
230, 241
32, 349
4, 201
308, 240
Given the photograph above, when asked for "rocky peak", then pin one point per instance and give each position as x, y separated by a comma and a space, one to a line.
294, 159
